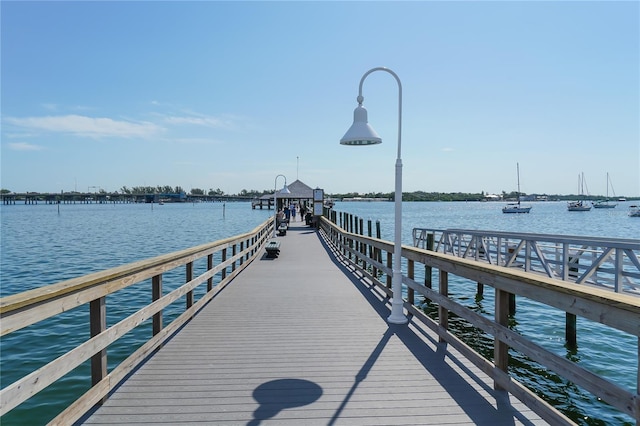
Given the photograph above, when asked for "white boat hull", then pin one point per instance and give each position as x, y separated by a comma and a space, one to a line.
604, 204
578, 206
516, 209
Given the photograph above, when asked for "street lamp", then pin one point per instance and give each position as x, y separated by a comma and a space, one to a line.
284, 190
360, 133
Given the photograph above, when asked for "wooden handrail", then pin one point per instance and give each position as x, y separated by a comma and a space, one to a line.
615, 310
30, 307
22, 304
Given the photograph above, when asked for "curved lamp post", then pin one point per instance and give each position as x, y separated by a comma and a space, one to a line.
284, 190
360, 133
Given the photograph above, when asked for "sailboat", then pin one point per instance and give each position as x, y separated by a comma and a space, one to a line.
605, 204
580, 205
516, 207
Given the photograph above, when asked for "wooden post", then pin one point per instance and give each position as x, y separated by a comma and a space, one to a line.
343, 220
234, 249
363, 247
378, 236
189, 277
241, 249
210, 267
371, 251
410, 275
351, 242
223, 273
98, 324
356, 246
375, 271
571, 335
389, 265
354, 230
480, 252
500, 349
427, 269
443, 314
156, 293
480, 292
339, 235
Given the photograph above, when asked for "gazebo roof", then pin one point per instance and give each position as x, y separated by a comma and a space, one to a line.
298, 189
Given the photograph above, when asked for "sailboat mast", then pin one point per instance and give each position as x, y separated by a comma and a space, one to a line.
518, 171
579, 202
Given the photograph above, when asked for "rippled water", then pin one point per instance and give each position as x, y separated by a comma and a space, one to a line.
44, 244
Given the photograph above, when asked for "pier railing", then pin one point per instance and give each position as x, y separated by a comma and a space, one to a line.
609, 263
35, 306
372, 257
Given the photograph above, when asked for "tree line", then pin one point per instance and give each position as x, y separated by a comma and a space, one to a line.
464, 196
406, 196
168, 189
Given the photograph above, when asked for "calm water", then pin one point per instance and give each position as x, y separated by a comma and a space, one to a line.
44, 244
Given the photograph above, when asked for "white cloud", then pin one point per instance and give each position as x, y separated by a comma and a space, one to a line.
23, 146
87, 126
214, 122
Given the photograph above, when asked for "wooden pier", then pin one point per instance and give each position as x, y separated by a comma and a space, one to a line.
302, 338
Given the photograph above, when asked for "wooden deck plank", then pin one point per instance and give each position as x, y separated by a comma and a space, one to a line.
298, 340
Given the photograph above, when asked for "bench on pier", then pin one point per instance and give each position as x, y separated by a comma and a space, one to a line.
282, 229
273, 249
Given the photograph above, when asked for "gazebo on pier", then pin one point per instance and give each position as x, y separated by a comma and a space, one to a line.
299, 193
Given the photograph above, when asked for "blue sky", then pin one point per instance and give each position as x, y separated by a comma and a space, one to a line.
230, 94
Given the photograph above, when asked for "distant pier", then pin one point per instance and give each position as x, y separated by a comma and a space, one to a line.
111, 198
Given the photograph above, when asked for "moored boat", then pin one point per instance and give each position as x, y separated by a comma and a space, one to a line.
634, 211
516, 207
606, 204
603, 204
580, 205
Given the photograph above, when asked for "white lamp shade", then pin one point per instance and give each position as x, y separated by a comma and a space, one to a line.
360, 133
285, 190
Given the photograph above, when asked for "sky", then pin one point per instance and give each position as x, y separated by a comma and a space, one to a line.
229, 95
